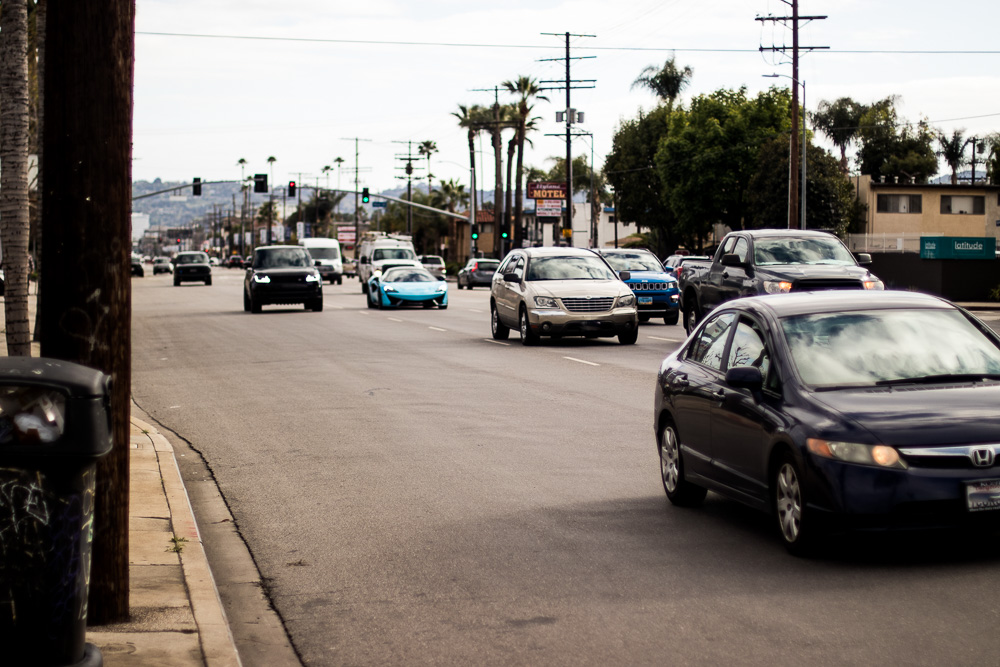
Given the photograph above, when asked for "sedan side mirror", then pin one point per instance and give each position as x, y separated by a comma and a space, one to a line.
864, 259
745, 377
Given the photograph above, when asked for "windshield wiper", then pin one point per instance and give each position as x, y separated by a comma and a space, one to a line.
945, 377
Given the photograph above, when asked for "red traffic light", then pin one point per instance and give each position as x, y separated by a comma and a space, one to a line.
291, 188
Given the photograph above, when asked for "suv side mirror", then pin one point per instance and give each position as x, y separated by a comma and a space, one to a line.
864, 259
625, 275
511, 278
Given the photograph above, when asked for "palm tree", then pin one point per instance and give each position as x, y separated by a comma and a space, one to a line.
474, 119
14, 181
665, 82
450, 196
953, 151
427, 148
271, 211
839, 121
526, 89
338, 161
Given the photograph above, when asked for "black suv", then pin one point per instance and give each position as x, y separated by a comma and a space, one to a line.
192, 267
282, 275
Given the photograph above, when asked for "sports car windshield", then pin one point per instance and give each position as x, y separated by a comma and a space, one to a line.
783, 250
569, 268
634, 261
408, 276
865, 348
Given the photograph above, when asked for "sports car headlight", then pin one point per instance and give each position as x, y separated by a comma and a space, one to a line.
874, 283
545, 302
628, 300
389, 288
850, 452
312, 278
261, 278
777, 286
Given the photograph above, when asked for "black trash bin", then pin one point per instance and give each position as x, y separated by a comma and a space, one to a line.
54, 425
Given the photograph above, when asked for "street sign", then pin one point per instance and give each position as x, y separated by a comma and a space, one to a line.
379, 204
346, 235
957, 247
546, 190
548, 208
567, 233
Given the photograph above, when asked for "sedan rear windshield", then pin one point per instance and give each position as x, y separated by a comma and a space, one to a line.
191, 258
786, 250
865, 348
486, 266
569, 268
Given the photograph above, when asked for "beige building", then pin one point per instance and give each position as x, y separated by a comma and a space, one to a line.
908, 209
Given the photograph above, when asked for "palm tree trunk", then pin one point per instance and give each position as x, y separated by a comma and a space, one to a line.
14, 176
519, 192
40, 13
498, 189
474, 181
511, 148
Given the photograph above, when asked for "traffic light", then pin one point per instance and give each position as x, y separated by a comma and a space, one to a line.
291, 188
504, 235
475, 231
364, 196
260, 183
196, 187
178, 240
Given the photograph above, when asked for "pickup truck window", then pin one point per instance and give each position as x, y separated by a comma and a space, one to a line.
787, 250
742, 249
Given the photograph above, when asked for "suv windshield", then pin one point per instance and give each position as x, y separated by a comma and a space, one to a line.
569, 268
878, 347
279, 258
324, 253
191, 258
393, 253
784, 250
634, 261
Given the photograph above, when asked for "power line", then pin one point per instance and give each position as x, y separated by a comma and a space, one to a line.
653, 49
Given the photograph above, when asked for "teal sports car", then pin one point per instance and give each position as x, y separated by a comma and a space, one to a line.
406, 286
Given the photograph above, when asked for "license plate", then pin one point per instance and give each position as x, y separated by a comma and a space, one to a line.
982, 495
645, 300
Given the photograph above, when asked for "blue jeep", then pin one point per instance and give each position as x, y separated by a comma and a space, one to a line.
655, 287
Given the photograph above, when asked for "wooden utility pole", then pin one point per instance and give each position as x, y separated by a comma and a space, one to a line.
793, 154
86, 204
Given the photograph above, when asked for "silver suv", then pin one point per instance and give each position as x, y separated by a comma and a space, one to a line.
561, 292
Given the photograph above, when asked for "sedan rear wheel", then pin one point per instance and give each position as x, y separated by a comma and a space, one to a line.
498, 328
679, 491
246, 301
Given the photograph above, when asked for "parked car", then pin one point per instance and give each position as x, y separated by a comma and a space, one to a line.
477, 272
161, 265
561, 292
407, 286
234, 262
192, 267
326, 255
434, 264
654, 287
282, 275
137, 269
867, 410
769, 261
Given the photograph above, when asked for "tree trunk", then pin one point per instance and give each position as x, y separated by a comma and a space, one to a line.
474, 182
518, 190
511, 147
14, 175
498, 189
40, 14
87, 204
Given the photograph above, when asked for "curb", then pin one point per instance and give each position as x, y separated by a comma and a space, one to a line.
217, 643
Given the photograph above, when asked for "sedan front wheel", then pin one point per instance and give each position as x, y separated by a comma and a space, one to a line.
795, 523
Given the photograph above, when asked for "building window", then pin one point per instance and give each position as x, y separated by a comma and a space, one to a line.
963, 205
899, 204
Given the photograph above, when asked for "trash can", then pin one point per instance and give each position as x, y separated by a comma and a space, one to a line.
54, 425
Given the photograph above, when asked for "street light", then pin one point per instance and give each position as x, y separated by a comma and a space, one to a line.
802, 83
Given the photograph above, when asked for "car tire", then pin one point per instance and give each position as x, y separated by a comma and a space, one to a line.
316, 306
208, 282
364, 288
671, 319
629, 337
528, 337
692, 315
499, 330
255, 307
793, 520
246, 302
679, 491
340, 280
644, 318
177, 282
368, 300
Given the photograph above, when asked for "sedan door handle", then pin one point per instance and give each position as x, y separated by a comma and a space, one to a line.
720, 394
681, 380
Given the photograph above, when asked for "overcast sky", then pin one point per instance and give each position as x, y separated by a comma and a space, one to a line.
334, 69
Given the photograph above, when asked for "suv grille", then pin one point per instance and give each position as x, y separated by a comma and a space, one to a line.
809, 285
594, 305
651, 287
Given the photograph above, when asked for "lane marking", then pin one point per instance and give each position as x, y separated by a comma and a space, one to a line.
473, 310
669, 340
496, 342
393, 319
581, 361
436, 329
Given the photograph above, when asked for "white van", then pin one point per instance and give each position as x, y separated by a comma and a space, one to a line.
327, 253
379, 249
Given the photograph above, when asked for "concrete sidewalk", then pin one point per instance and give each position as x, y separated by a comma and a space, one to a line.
177, 617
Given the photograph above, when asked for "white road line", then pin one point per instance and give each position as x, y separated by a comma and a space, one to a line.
581, 361
393, 319
669, 340
495, 342
436, 329
473, 310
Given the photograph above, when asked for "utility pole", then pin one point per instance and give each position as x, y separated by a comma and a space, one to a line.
793, 158
571, 118
408, 168
357, 211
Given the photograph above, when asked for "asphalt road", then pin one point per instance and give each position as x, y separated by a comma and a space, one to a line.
415, 493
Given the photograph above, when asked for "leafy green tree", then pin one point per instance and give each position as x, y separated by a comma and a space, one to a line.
953, 151
665, 82
992, 142
892, 148
840, 121
706, 161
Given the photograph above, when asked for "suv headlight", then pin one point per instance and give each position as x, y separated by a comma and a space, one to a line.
628, 300
850, 452
777, 286
312, 278
545, 302
261, 278
874, 283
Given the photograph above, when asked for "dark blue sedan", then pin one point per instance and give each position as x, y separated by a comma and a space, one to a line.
860, 410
